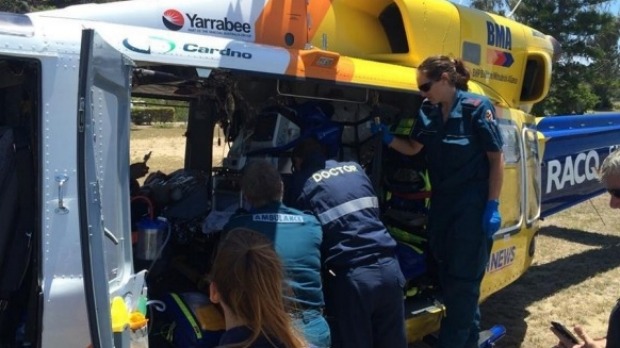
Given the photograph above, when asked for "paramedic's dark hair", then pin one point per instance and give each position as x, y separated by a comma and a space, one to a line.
249, 278
261, 183
434, 66
307, 148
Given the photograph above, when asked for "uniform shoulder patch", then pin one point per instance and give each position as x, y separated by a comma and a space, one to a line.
475, 102
489, 116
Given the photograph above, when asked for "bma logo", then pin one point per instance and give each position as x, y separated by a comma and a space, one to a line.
173, 19
499, 36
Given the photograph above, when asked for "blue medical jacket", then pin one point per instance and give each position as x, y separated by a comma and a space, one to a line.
343, 199
297, 240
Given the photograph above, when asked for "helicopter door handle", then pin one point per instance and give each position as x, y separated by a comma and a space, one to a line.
110, 236
61, 180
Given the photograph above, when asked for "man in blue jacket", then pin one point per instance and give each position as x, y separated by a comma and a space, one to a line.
363, 282
296, 238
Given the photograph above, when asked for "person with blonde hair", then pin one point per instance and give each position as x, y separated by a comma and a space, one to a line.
296, 238
609, 175
247, 280
460, 134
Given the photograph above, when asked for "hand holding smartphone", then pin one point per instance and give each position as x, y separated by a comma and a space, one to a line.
566, 333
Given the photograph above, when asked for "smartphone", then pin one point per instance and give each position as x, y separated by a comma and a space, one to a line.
565, 332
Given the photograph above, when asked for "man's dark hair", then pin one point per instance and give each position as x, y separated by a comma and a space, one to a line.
308, 147
261, 183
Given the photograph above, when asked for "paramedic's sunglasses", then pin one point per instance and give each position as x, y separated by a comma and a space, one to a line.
425, 87
614, 192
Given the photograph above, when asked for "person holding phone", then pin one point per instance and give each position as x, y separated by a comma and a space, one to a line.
560, 329
567, 342
609, 175
136, 171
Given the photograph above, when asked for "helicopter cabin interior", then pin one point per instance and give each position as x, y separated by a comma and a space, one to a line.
262, 117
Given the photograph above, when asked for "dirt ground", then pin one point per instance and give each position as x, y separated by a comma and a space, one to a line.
575, 277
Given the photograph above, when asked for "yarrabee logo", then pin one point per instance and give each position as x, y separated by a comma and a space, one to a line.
173, 19
218, 24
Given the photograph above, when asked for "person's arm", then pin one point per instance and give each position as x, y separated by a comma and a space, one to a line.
138, 170
408, 147
496, 174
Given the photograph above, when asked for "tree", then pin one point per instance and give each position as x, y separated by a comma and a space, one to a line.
605, 67
24, 6
585, 77
495, 6
14, 6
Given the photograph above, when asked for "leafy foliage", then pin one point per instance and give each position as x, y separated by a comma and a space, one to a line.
587, 75
148, 115
15, 6
24, 6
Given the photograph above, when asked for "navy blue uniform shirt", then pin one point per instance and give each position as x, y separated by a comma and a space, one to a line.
297, 240
457, 149
343, 199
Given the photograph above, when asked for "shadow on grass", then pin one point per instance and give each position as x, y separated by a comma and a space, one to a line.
508, 306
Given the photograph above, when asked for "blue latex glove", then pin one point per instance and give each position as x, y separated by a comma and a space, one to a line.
491, 220
386, 136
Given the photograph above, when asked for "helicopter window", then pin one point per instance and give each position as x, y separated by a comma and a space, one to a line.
513, 172
471, 52
533, 79
533, 177
392, 22
512, 151
16, 24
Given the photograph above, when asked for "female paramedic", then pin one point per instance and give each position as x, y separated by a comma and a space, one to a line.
464, 152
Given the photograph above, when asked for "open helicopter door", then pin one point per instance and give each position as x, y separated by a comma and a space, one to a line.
103, 188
